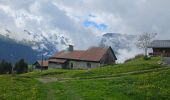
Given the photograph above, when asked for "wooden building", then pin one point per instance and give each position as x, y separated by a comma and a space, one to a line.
40, 65
160, 48
82, 59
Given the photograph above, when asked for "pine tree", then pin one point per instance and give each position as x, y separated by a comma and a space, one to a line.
21, 67
5, 67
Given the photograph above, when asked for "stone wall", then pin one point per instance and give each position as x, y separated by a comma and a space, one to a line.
54, 66
83, 64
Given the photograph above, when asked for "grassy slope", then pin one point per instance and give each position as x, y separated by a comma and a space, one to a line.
152, 86
134, 65
84, 84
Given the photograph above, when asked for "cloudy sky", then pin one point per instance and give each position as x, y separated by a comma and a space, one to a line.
86, 20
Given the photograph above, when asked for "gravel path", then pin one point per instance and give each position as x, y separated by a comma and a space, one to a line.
47, 79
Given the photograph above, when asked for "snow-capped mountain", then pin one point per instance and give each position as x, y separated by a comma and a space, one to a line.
122, 44
48, 44
41, 43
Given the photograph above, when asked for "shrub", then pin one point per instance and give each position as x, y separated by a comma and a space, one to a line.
146, 58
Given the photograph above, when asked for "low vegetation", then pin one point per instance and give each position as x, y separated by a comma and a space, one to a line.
136, 79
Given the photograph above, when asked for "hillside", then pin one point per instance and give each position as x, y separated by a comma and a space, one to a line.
12, 51
135, 79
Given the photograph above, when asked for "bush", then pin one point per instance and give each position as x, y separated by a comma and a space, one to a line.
21, 67
146, 58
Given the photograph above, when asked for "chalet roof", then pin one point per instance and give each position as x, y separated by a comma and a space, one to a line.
68, 54
91, 54
42, 63
160, 44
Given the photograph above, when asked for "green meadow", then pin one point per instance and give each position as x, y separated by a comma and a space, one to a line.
136, 79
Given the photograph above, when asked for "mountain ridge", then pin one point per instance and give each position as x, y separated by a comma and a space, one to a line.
37, 44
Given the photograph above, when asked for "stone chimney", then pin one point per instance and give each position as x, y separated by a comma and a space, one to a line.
71, 48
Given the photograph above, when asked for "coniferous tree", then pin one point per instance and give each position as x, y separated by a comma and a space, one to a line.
5, 67
21, 67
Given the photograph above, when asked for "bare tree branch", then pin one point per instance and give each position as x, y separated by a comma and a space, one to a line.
144, 40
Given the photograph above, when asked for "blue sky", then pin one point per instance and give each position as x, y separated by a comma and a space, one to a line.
100, 26
90, 23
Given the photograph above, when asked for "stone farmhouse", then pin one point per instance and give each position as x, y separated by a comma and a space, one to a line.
82, 59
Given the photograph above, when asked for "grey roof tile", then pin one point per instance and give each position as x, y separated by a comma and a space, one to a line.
160, 44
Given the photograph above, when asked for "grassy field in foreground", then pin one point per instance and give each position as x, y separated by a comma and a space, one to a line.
21, 88
150, 86
84, 84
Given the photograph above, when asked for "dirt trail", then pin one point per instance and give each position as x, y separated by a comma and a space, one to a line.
47, 79
54, 79
50, 90
71, 92
126, 73
51, 94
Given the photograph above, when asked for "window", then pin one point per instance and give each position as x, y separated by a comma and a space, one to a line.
88, 65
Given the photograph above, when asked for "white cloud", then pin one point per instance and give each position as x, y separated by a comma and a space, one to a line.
126, 54
67, 17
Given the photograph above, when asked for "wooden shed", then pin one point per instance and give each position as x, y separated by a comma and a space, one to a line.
160, 48
40, 65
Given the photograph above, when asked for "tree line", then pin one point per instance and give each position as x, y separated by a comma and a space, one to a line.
8, 68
